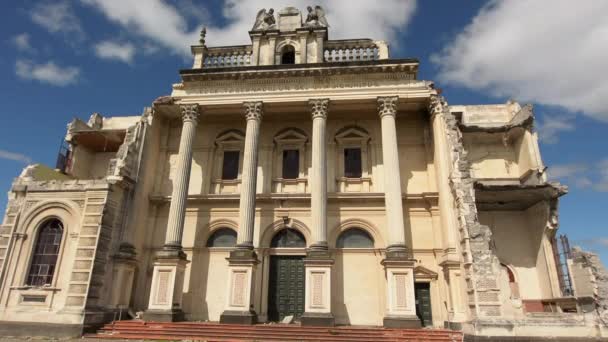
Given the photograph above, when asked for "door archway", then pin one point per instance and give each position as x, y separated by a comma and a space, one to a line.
286, 283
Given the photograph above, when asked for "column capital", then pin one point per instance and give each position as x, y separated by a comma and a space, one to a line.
190, 113
319, 108
253, 110
387, 105
436, 105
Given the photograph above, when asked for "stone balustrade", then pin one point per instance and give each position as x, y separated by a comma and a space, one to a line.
354, 50
226, 57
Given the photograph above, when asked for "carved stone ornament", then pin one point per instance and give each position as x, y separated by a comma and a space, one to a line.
435, 105
316, 17
253, 110
190, 113
387, 105
265, 20
319, 108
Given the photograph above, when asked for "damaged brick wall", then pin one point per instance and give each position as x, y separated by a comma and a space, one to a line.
482, 268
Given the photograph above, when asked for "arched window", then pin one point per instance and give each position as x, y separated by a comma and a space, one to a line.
46, 250
222, 237
288, 238
355, 238
288, 55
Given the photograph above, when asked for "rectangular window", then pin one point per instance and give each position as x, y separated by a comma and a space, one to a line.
230, 167
291, 164
352, 163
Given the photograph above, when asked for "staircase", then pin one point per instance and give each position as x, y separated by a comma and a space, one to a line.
266, 332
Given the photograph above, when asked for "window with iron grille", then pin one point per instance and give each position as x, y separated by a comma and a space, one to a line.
230, 166
291, 164
46, 250
352, 163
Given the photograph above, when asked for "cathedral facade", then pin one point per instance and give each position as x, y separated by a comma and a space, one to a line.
296, 179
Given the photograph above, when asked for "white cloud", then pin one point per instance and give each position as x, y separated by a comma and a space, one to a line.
15, 156
592, 176
601, 242
551, 126
22, 42
113, 50
566, 170
347, 18
547, 51
48, 72
57, 17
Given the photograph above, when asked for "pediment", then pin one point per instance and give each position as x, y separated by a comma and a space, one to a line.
352, 133
230, 136
421, 272
291, 135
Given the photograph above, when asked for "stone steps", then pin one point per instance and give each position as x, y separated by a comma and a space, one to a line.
266, 332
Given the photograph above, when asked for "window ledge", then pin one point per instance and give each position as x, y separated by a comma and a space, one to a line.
35, 288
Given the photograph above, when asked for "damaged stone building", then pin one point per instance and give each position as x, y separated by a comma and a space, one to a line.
298, 176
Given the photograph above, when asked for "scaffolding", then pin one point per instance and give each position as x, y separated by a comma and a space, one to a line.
561, 254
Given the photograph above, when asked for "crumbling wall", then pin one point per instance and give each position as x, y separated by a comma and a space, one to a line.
482, 268
595, 283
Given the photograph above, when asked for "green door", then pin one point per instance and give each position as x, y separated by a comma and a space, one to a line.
423, 303
286, 287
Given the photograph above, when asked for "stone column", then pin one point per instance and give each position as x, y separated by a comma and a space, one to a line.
387, 109
318, 174
179, 196
318, 262
168, 275
243, 260
253, 115
401, 306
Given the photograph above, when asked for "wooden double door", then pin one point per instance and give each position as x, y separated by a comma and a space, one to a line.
286, 287
423, 303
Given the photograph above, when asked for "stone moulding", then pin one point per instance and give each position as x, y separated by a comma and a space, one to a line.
482, 267
298, 82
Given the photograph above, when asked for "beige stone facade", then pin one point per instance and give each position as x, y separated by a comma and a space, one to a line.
452, 200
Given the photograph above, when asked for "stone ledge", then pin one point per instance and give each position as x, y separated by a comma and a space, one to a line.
36, 329
317, 319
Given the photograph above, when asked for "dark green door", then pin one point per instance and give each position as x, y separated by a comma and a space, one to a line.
286, 287
423, 304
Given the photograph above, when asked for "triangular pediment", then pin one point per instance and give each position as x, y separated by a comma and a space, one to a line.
291, 135
352, 133
231, 136
421, 272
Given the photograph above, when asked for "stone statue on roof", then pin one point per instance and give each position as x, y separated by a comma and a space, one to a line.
316, 17
265, 20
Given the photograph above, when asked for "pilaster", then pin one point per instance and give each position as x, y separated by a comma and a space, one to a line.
446, 200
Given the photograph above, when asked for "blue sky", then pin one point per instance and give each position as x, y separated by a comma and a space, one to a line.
65, 59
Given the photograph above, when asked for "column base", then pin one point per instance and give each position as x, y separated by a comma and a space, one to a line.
315, 319
239, 317
176, 315
402, 322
